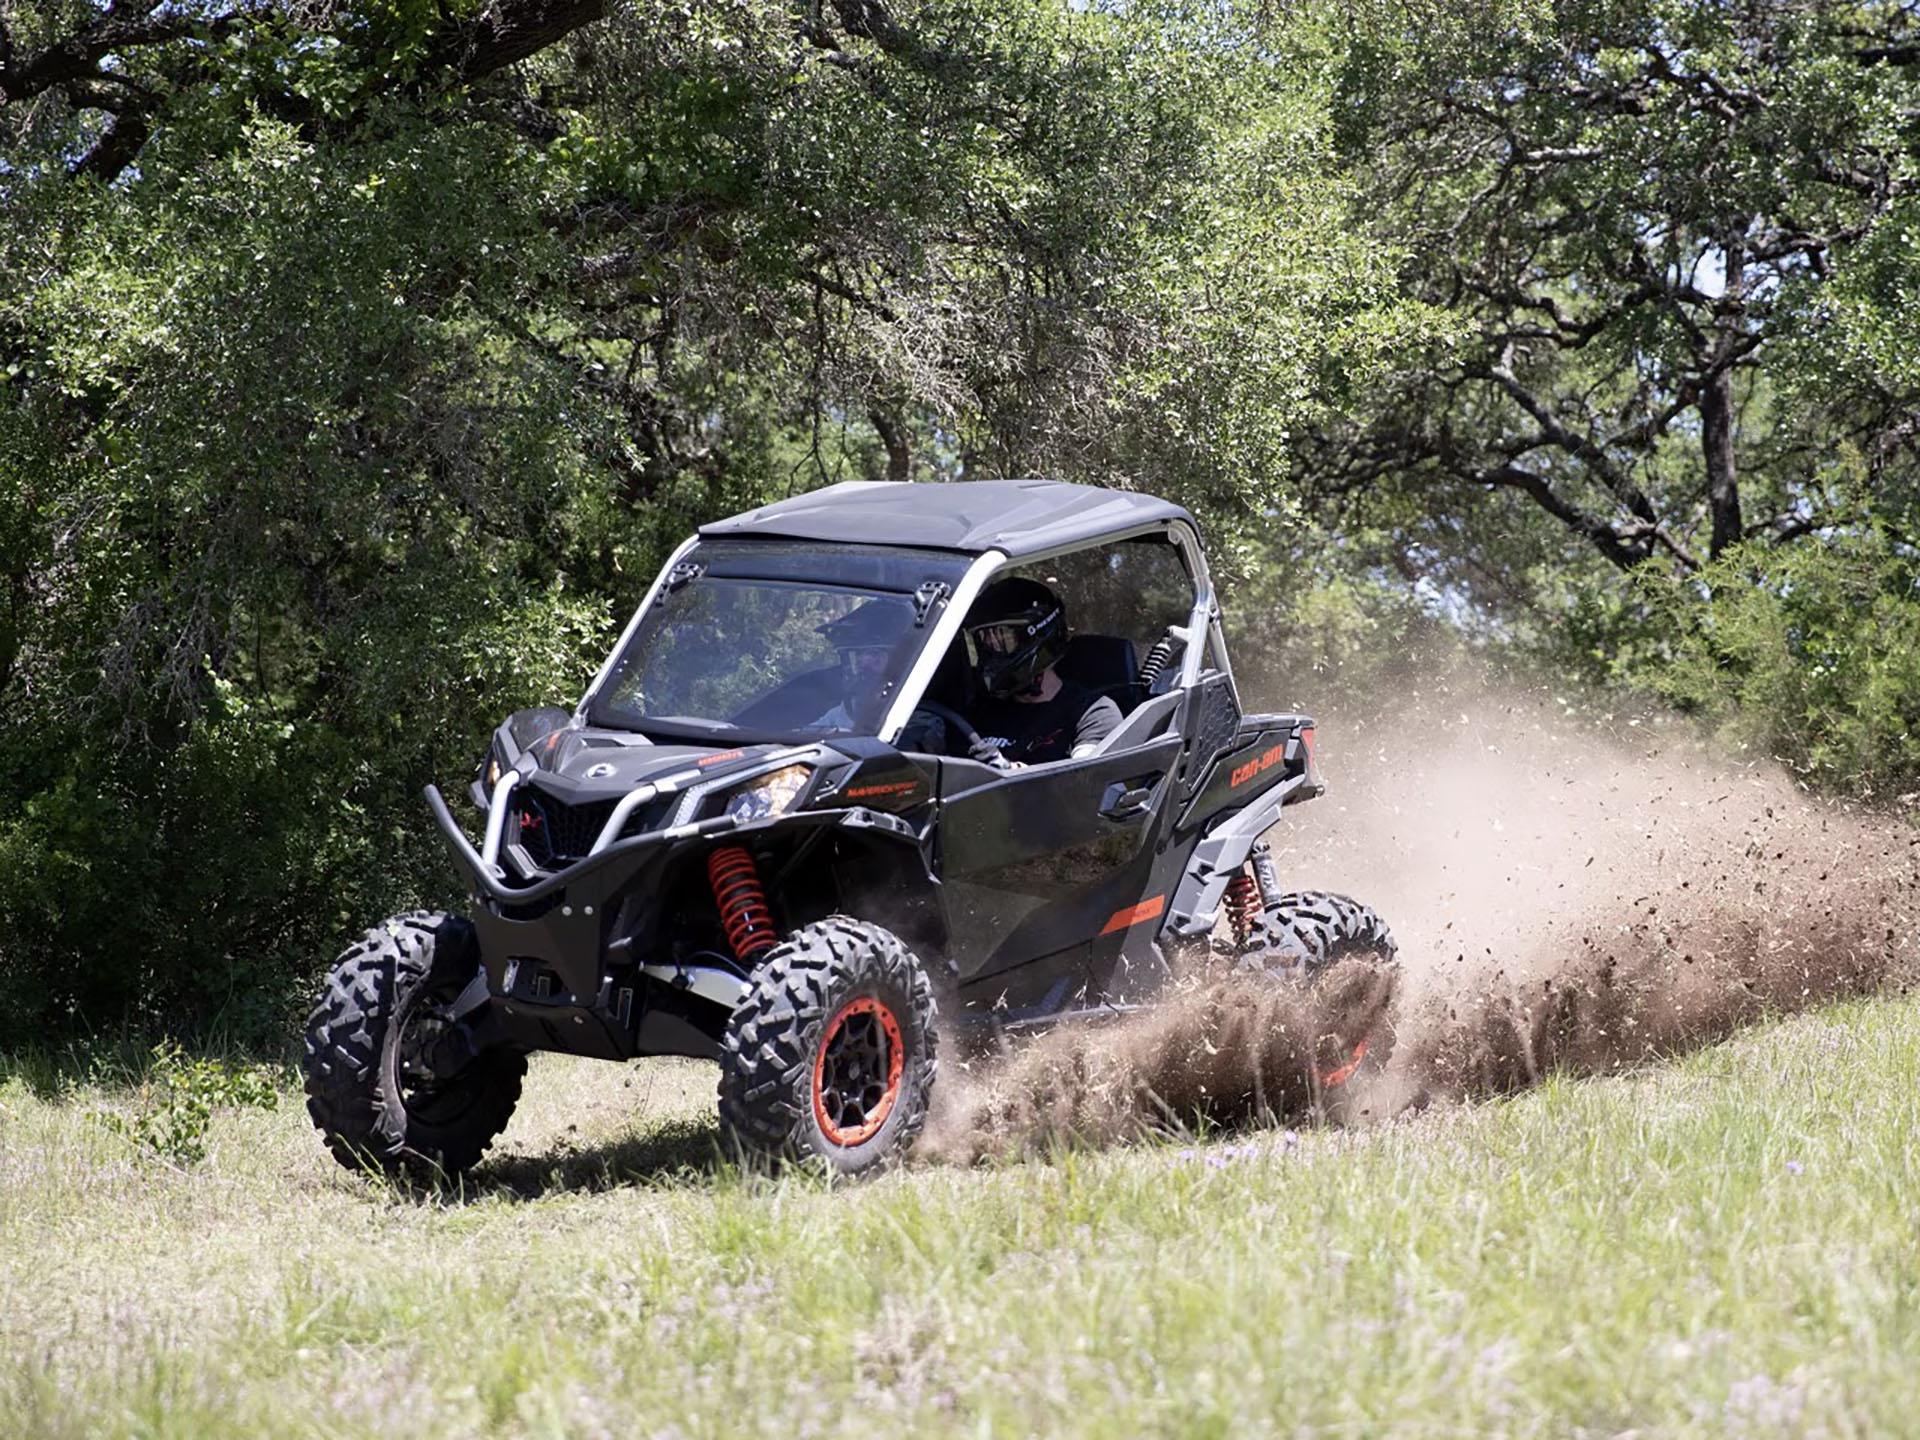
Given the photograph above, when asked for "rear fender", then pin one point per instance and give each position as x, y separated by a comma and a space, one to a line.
1267, 751
1219, 856
1268, 767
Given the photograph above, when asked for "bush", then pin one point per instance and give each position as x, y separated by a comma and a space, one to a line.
1809, 653
176, 1101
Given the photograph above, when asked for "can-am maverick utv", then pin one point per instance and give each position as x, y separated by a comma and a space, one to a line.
740, 847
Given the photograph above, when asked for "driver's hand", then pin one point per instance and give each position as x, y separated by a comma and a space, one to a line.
988, 753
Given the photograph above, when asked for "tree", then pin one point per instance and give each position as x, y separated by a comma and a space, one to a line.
1638, 218
359, 362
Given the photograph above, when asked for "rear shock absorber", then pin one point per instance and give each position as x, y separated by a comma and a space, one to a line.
742, 902
1243, 905
1264, 874
1255, 887
1155, 662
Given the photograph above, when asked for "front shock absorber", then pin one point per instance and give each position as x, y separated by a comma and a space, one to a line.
742, 902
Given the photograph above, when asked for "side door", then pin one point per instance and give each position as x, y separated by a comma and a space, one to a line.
1053, 863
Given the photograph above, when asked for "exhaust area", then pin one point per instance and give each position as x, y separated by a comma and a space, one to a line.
1569, 893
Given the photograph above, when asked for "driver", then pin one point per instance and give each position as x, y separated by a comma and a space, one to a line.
1017, 631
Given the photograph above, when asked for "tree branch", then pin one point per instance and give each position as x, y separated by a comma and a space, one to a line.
871, 20
78, 56
117, 146
508, 31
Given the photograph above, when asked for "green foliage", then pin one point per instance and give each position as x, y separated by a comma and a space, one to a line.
360, 361
1669, 244
358, 368
175, 1102
1323, 621
1811, 654
295, 526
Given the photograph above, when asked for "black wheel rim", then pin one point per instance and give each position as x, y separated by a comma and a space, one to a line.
431, 1098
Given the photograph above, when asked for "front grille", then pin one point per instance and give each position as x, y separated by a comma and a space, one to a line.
555, 833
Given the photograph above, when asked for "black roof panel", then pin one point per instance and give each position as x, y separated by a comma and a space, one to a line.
1021, 517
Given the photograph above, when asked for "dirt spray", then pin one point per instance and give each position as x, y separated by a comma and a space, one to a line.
1570, 891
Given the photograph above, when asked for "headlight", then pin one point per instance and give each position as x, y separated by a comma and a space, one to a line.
771, 794
493, 771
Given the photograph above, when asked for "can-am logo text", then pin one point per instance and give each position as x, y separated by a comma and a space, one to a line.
1256, 766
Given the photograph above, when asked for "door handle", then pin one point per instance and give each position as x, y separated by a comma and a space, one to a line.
1129, 799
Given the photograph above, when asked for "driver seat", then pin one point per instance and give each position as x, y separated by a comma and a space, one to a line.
1105, 664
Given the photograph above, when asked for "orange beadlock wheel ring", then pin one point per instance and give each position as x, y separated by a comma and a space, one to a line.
1330, 1078
856, 1072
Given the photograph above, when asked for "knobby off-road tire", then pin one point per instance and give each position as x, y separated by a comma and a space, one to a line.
1312, 929
1345, 953
831, 1054
367, 1087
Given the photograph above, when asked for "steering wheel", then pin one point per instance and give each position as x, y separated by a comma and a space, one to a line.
954, 718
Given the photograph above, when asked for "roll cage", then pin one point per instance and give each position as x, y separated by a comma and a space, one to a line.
1203, 637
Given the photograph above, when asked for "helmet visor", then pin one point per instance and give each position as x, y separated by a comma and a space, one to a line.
998, 637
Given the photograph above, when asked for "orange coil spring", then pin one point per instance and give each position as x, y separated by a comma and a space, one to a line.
1243, 906
744, 912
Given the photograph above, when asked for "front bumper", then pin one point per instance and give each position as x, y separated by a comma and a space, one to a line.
572, 964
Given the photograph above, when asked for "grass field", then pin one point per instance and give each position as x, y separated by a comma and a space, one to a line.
1729, 1245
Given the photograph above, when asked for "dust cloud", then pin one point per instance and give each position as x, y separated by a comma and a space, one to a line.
1570, 891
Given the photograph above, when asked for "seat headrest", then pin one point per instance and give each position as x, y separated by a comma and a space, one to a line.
1100, 662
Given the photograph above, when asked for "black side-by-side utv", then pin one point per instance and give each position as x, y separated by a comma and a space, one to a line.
740, 847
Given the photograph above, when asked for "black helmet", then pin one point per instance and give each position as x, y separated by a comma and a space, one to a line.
1016, 629
877, 625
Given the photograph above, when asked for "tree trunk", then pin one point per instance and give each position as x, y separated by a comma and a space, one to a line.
893, 435
1716, 441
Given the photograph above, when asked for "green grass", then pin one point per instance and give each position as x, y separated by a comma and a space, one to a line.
1729, 1245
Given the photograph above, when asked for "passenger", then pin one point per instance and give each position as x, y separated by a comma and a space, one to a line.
866, 638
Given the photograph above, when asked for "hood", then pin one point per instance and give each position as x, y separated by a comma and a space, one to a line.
583, 766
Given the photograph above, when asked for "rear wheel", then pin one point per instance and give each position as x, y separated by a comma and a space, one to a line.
375, 1052
1346, 953
831, 1054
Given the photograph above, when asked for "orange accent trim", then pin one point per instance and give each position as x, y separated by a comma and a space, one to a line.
1345, 1072
725, 755
896, 1064
1133, 914
899, 787
1306, 741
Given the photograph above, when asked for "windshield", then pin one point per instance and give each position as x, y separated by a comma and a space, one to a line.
746, 657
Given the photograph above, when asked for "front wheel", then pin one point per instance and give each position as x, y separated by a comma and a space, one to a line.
1345, 953
374, 1068
831, 1053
